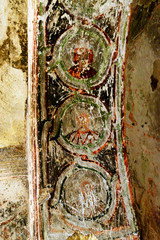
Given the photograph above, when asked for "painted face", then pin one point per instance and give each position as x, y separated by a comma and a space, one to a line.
83, 120
86, 187
83, 56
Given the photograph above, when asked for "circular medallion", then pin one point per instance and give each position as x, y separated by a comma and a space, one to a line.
82, 57
91, 194
82, 124
87, 191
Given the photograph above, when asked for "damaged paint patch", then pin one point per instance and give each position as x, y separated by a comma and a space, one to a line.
13, 208
79, 236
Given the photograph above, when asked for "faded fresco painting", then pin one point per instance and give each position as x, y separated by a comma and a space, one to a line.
79, 129
82, 151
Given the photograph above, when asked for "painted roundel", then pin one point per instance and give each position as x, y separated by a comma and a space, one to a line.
82, 57
90, 194
87, 191
82, 124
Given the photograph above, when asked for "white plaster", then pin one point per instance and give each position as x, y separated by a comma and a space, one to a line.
13, 94
3, 19
12, 189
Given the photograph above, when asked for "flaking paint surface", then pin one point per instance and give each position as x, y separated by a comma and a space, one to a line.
142, 120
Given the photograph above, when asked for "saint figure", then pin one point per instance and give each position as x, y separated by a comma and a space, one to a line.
83, 58
83, 135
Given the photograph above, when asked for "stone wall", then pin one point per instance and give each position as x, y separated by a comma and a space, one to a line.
13, 96
142, 116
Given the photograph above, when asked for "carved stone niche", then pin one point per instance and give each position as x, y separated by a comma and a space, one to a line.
78, 164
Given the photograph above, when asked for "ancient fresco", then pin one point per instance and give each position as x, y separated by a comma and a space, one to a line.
82, 155
84, 178
82, 56
84, 76
88, 124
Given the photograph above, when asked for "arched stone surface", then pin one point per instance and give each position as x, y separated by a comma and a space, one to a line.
13, 49
80, 74
142, 121
13, 95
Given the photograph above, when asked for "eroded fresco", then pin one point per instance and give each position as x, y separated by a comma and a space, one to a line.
85, 190
142, 117
141, 120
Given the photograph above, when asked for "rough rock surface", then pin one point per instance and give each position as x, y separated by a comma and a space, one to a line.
142, 122
13, 95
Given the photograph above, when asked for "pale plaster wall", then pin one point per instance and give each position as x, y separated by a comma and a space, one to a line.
143, 125
12, 75
13, 95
